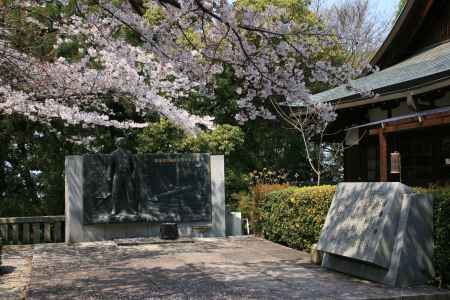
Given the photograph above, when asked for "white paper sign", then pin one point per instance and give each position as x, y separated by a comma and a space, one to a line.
352, 137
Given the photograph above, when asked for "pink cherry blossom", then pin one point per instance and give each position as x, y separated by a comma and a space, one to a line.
273, 59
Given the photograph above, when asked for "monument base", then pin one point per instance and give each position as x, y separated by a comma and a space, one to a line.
401, 255
76, 231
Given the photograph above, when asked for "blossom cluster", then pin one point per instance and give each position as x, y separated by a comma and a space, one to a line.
73, 91
274, 60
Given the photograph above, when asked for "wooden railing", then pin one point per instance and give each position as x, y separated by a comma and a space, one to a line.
31, 230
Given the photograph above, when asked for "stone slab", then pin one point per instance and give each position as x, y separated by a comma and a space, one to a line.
150, 241
360, 219
77, 231
381, 232
218, 196
212, 268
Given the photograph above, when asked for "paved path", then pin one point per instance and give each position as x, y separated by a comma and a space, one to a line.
15, 271
246, 268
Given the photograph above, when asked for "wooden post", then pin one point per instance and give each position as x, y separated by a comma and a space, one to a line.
58, 228
383, 156
36, 233
26, 230
47, 233
15, 233
4, 233
26, 233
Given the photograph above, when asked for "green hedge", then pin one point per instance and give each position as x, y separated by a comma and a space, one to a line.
294, 217
441, 202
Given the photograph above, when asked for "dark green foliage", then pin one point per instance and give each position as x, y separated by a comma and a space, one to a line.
294, 217
441, 202
267, 144
249, 203
27, 36
270, 145
70, 50
32, 163
223, 140
160, 137
223, 106
256, 145
164, 137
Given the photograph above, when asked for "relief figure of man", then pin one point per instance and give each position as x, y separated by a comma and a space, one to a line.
122, 175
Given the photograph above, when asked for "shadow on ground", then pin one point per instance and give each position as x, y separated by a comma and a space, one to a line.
215, 269
4, 270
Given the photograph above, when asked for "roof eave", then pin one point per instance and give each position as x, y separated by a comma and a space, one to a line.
416, 87
393, 33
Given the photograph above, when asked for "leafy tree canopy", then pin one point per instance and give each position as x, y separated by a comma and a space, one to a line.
164, 137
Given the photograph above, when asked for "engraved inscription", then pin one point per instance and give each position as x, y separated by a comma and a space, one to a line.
361, 217
359, 221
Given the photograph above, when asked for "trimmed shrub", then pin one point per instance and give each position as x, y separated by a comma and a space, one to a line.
441, 214
250, 203
294, 217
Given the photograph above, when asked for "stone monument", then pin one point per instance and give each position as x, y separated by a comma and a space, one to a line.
122, 195
381, 232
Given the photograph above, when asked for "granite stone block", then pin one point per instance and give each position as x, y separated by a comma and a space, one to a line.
381, 232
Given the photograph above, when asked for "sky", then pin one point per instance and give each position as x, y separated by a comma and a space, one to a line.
386, 8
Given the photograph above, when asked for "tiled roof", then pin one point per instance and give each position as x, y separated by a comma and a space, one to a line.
431, 62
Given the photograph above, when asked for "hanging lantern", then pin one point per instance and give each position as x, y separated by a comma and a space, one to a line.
396, 163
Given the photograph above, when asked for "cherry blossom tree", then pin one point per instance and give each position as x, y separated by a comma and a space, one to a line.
108, 67
177, 49
274, 58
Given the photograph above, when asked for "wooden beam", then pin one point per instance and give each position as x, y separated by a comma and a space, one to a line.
39, 219
426, 123
383, 156
427, 8
415, 90
410, 124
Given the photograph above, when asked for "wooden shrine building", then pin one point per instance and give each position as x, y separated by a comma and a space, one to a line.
408, 113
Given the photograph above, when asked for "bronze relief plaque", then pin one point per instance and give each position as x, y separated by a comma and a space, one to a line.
121, 188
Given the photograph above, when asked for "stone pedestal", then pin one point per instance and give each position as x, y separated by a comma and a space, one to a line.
168, 231
78, 231
234, 223
381, 232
